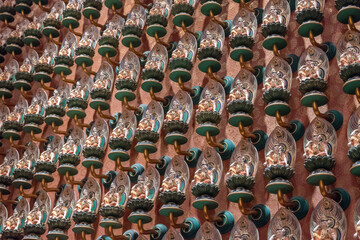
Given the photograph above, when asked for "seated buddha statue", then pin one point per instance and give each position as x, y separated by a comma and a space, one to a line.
69, 148
47, 156
354, 138
61, 210
239, 93
207, 104
324, 232
307, 4
205, 174
275, 80
316, 147
147, 123
111, 199
276, 156
275, 16
86, 203
172, 182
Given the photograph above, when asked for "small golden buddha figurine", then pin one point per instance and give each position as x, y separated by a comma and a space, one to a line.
207, 104
241, 29
14, 117
24, 163
47, 156
316, 147
5, 76
54, 100
277, 156
65, 50
111, 199
120, 132
14, 222
60, 210
5, 170
276, 80
311, 70
34, 217
86, 203
324, 232
205, 174
33, 109
238, 93
69, 148
172, 182
307, 4
239, 167
140, 190
93, 141
274, 17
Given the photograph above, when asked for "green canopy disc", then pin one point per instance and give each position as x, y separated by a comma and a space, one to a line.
355, 169
107, 49
79, 60
39, 176
5, 92
166, 209
275, 106
141, 146
83, 227
119, 153
38, 76
64, 168
201, 202
351, 85
209, 6
241, 51
28, 40
51, 30
134, 217
207, 127
170, 138
66, 22
92, 161
13, 48
275, 185
99, 102
135, 40
121, 94
242, 117
26, 184
116, 3
183, 17
60, 68
110, 222
344, 14
18, 84
244, 194
207, 63
151, 83
314, 26
57, 234
182, 73
22, 7
272, 40
79, 112
318, 97
156, 28
52, 118
11, 134
326, 176
91, 11
32, 127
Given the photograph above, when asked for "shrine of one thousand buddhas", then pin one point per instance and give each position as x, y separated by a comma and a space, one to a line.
183, 119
